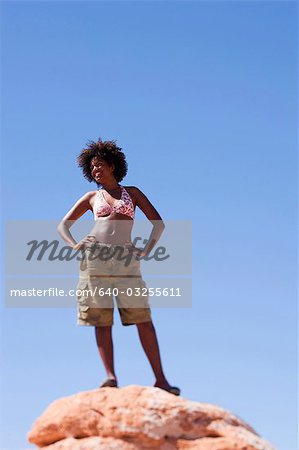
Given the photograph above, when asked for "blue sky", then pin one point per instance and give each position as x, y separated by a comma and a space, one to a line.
202, 98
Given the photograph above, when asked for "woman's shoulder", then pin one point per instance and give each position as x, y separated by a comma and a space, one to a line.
131, 188
90, 194
90, 197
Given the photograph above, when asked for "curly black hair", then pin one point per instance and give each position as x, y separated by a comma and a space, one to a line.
107, 150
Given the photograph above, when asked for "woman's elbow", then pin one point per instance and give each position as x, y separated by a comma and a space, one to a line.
62, 224
160, 225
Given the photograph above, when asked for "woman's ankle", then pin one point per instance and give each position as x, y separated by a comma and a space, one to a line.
161, 380
111, 376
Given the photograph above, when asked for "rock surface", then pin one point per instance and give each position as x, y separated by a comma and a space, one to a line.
136, 418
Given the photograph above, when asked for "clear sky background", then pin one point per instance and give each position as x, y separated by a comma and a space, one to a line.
202, 98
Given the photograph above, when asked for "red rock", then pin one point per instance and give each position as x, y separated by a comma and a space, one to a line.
137, 417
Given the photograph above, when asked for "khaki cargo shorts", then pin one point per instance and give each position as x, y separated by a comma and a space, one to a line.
110, 271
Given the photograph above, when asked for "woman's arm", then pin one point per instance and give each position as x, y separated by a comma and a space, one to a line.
79, 208
153, 216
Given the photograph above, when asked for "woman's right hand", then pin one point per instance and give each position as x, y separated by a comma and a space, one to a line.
89, 239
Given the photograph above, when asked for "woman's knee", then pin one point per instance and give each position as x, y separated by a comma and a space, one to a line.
145, 325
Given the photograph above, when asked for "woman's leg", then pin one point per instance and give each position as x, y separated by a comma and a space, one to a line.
149, 341
105, 347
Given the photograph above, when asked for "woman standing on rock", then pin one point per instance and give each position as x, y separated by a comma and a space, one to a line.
113, 207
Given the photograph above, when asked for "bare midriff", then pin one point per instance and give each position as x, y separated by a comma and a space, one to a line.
112, 229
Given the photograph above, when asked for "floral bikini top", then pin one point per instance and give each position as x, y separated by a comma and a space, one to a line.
123, 206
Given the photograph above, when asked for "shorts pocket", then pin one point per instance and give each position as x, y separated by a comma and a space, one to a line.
82, 294
84, 313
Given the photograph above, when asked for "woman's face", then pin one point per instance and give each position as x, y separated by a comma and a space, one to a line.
100, 169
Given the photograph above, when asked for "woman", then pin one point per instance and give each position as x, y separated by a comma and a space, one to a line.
113, 207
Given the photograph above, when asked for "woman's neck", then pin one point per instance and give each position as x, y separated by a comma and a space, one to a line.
112, 186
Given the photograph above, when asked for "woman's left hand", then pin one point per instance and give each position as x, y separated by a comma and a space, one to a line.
139, 252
